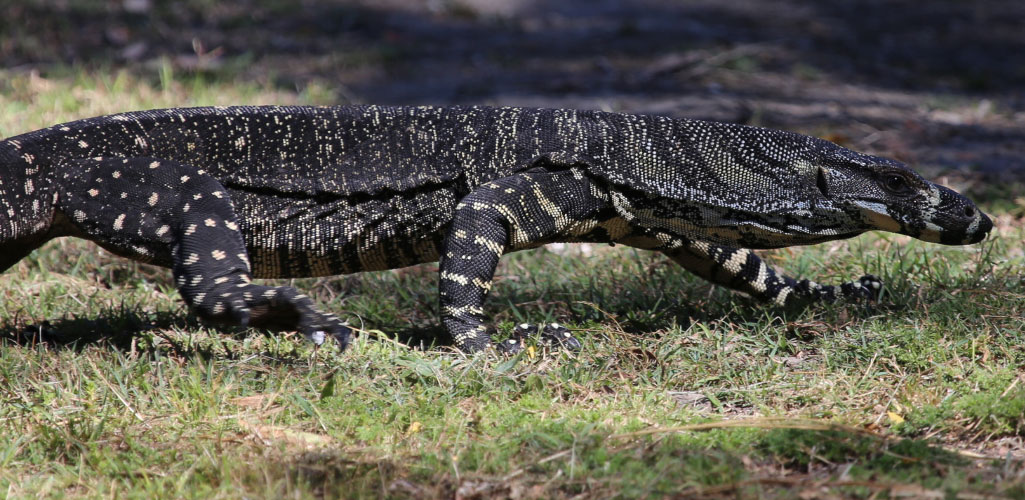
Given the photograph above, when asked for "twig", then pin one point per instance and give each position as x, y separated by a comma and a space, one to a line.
1009, 387
547, 459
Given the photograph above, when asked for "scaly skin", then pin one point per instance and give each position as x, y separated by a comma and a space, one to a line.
223, 195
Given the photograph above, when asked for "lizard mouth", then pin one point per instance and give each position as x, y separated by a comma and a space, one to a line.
955, 234
976, 231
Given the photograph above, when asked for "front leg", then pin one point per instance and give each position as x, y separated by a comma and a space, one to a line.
522, 211
742, 270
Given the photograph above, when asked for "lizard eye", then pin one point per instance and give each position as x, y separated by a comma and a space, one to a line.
896, 184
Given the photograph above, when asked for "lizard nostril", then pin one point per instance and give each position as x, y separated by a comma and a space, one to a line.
969, 212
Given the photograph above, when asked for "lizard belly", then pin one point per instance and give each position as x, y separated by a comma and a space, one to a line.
305, 237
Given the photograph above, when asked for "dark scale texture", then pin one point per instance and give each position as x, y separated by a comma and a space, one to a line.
224, 194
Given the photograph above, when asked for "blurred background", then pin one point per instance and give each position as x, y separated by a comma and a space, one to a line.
938, 84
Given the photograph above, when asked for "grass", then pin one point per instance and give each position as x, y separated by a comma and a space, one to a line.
681, 388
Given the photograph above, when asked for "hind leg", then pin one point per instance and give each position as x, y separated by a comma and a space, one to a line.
175, 215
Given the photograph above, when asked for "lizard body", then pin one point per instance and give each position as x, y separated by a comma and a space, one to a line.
221, 195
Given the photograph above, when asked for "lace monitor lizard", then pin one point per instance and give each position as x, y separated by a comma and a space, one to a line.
223, 194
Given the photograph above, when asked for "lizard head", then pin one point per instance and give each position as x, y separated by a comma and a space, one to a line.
753, 187
889, 196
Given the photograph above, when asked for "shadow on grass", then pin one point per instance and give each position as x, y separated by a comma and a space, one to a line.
780, 461
424, 338
132, 330
635, 312
804, 449
115, 327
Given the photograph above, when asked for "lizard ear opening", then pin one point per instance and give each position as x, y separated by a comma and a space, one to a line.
820, 182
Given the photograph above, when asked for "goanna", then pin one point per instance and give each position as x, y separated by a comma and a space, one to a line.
222, 195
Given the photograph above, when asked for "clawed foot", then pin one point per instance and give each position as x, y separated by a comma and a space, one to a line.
553, 334
330, 327
866, 287
273, 308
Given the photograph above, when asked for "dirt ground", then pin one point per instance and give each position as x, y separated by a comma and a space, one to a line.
938, 84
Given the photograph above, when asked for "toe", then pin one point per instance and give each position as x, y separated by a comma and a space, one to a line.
557, 334
509, 347
872, 284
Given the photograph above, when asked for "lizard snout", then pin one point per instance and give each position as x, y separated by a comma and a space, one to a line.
985, 224
957, 220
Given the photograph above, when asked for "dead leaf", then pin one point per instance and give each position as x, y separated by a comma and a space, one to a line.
271, 434
256, 401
